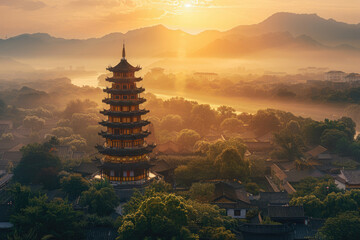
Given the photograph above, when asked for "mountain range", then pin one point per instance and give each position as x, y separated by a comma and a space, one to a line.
280, 32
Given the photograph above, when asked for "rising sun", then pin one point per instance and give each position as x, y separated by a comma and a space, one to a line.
188, 5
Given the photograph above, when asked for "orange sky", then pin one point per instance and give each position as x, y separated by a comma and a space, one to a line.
95, 18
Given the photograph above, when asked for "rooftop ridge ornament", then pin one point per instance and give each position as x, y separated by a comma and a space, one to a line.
123, 52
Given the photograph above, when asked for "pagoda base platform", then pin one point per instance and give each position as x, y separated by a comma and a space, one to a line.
124, 190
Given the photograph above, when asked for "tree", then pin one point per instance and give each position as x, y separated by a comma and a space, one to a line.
51, 143
231, 165
48, 218
265, 121
336, 203
203, 117
80, 121
319, 187
202, 192
161, 216
160, 186
331, 137
40, 112
74, 185
195, 170
172, 122
313, 131
62, 132
215, 149
75, 141
34, 123
63, 123
346, 225
187, 138
219, 233
139, 196
211, 221
91, 136
184, 175
35, 162
100, 198
321, 198
78, 106
289, 145
312, 205
232, 125
293, 126
284, 93
329, 132
157, 215
179, 106
201, 147
226, 112
350, 126
20, 196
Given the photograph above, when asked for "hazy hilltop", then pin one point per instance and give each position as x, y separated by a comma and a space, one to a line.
323, 30
282, 32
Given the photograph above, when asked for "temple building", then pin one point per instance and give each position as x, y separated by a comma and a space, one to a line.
125, 152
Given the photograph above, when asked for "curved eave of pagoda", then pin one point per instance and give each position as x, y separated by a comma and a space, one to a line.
141, 123
125, 166
124, 80
122, 152
124, 91
124, 114
123, 69
124, 102
134, 136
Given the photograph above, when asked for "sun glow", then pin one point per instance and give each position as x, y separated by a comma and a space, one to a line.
188, 5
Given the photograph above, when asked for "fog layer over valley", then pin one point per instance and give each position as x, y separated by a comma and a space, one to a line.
274, 64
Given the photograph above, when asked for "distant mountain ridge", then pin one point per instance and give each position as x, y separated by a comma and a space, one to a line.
281, 31
322, 30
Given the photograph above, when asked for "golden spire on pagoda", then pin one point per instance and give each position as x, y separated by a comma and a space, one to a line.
123, 52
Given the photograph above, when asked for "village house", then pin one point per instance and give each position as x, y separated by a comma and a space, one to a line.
287, 214
266, 232
294, 175
284, 174
268, 137
319, 153
233, 198
258, 147
164, 169
247, 136
170, 148
352, 77
88, 169
271, 199
348, 179
209, 76
335, 76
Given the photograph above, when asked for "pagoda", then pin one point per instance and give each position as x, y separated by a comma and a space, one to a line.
125, 152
